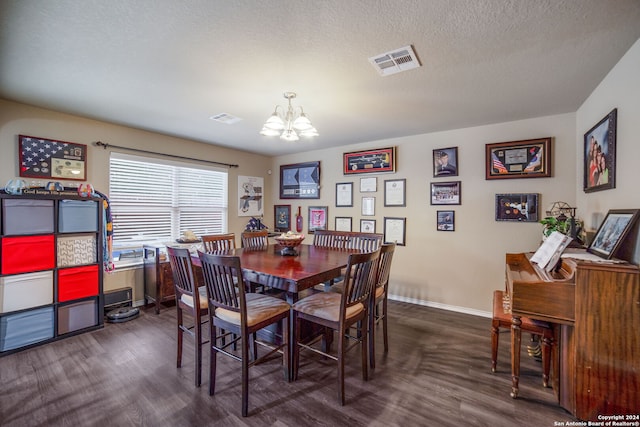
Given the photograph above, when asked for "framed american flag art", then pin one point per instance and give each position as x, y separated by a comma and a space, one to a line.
50, 159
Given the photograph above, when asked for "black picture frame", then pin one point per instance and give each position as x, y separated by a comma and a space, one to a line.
530, 158
395, 230
300, 181
282, 218
600, 155
445, 162
318, 217
446, 193
343, 223
446, 220
367, 225
612, 231
56, 160
518, 207
344, 194
395, 192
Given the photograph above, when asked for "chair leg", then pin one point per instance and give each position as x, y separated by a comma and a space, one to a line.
296, 347
365, 348
372, 335
495, 336
197, 326
385, 335
286, 354
213, 353
254, 346
179, 340
341, 346
245, 374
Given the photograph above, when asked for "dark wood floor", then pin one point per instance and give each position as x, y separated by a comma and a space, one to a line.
437, 373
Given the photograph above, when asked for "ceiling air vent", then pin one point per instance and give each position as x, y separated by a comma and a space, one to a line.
393, 62
225, 118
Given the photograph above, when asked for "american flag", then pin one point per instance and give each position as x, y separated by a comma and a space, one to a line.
497, 164
36, 155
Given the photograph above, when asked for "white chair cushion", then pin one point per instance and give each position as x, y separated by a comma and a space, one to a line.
188, 299
259, 307
326, 305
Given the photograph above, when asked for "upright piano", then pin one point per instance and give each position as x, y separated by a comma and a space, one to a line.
594, 308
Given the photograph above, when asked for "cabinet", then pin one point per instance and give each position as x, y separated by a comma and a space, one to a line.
158, 277
50, 267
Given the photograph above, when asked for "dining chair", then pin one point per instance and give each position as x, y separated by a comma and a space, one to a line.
258, 240
339, 312
190, 300
503, 319
234, 311
219, 242
380, 295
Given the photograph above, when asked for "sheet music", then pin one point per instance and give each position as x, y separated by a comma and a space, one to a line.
550, 251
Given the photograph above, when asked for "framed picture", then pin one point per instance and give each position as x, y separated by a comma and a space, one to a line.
344, 194
395, 192
300, 181
446, 220
369, 161
612, 231
368, 206
446, 193
250, 195
600, 155
518, 159
50, 159
369, 184
282, 218
343, 223
521, 207
367, 225
445, 162
395, 230
317, 218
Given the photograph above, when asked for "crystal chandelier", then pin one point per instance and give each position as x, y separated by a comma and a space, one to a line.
288, 124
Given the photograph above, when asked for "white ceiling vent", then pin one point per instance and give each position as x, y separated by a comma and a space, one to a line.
396, 61
225, 118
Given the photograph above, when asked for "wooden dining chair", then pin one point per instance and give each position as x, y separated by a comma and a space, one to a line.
219, 242
380, 295
339, 312
233, 311
190, 300
503, 319
255, 240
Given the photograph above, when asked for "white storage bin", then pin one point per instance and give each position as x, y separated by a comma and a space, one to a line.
22, 291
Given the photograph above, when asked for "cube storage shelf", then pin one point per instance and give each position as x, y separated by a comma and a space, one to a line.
50, 268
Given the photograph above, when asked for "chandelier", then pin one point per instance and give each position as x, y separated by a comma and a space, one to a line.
290, 123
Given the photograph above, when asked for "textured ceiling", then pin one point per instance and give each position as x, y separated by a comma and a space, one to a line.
168, 65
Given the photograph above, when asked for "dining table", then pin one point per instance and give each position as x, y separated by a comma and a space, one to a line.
291, 274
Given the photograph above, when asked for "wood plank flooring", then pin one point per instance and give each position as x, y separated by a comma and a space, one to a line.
437, 373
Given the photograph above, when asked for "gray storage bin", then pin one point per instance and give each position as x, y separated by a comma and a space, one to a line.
78, 216
24, 328
27, 216
76, 316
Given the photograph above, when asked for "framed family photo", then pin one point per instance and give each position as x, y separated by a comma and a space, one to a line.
612, 231
600, 155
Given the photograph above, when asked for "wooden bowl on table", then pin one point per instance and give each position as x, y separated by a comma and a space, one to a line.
289, 242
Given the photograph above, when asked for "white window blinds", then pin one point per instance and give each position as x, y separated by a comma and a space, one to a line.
154, 200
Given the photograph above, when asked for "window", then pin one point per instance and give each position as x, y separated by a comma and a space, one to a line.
157, 200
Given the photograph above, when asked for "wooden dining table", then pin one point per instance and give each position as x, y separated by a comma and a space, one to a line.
291, 274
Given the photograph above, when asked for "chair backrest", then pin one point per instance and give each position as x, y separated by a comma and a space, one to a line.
255, 239
328, 239
359, 278
183, 278
364, 242
223, 279
219, 242
384, 265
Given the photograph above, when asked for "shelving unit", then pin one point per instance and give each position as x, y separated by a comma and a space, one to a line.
50, 268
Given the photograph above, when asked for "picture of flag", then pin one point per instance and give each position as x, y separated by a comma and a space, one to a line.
497, 164
534, 163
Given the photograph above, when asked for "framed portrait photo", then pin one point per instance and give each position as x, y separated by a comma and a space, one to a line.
395, 230
600, 155
522, 207
518, 159
344, 194
318, 216
395, 192
343, 223
282, 218
367, 225
446, 221
446, 193
445, 162
612, 231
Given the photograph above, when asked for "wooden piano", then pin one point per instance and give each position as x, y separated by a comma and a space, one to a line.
594, 308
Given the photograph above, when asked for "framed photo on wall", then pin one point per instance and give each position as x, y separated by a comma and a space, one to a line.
518, 159
367, 225
600, 155
612, 231
318, 216
446, 193
445, 162
395, 192
446, 220
522, 207
54, 159
343, 223
395, 230
344, 194
300, 181
282, 218
369, 161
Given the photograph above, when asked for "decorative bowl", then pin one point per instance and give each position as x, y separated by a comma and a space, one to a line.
289, 243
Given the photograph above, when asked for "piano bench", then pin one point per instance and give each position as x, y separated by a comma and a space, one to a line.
539, 328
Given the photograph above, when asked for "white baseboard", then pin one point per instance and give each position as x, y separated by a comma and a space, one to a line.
448, 307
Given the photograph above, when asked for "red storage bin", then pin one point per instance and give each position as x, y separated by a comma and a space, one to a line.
25, 254
77, 282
